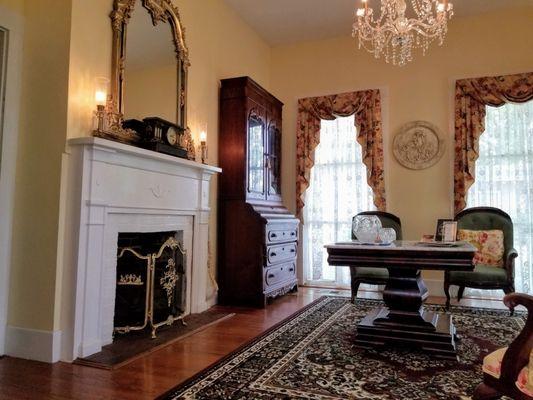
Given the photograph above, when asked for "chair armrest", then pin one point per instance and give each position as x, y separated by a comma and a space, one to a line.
508, 260
517, 355
514, 299
510, 255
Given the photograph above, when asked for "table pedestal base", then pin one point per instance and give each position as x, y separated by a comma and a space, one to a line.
403, 322
375, 330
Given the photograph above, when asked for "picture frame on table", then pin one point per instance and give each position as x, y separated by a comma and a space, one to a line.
439, 232
449, 231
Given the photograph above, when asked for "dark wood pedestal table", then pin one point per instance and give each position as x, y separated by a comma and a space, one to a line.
403, 322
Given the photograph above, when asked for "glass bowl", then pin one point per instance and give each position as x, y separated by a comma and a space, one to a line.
387, 235
366, 228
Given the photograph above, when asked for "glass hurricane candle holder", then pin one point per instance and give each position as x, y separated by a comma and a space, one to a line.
203, 147
101, 89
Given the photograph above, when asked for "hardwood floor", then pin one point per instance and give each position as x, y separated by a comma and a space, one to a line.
158, 372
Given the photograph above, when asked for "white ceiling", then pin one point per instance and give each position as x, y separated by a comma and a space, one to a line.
289, 21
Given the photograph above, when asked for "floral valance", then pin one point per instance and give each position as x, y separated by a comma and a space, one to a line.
366, 107
472, 96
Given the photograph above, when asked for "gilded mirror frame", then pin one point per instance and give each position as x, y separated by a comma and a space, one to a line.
161, 11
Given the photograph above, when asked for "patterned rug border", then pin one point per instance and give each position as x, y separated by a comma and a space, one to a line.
206, 371
199, 375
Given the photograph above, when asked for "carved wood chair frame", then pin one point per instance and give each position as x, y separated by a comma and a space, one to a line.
516, 357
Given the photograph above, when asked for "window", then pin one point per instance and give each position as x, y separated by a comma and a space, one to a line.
338, 190
504, 178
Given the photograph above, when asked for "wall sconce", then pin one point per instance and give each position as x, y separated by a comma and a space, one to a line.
101, 88
203, 146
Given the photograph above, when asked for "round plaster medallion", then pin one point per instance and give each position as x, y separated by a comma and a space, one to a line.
418, 145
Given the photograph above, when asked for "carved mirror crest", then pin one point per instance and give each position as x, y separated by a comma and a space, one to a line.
147, 34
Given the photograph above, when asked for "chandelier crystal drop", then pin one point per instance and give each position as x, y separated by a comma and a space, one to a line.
394, 34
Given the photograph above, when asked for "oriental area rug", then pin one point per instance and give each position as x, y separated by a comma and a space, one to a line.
311, 356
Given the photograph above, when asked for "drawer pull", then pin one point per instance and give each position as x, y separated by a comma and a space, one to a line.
274, 235
273, 254
293, 233
271, 276
291, 269
293, 250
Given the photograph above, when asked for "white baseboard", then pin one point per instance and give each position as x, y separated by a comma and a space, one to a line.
33, 344
436, 288
3, 328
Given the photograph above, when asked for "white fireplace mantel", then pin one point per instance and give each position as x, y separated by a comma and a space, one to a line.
115, 188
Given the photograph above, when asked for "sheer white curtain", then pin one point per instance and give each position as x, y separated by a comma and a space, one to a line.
338, 190
504, 178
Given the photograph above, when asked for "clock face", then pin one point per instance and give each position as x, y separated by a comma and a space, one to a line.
172, 137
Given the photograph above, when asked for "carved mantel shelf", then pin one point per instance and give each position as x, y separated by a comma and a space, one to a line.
117, 147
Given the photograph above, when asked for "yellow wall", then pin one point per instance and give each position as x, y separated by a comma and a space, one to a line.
13, 5
67, 45
484, 45
220, 44
41, 141
90, 58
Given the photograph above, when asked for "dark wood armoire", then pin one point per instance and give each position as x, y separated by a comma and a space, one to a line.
257, 236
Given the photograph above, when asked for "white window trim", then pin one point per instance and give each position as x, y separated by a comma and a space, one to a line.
14, 24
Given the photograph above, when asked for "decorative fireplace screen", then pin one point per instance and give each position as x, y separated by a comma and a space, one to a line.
150, 290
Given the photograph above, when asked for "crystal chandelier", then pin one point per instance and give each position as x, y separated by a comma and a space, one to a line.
394, 35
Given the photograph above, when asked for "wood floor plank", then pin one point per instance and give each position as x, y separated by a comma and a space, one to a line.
158, 372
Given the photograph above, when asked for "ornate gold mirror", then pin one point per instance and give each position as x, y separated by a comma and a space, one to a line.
149, 69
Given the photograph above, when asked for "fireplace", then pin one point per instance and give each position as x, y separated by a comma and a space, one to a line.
126, 197
151, 288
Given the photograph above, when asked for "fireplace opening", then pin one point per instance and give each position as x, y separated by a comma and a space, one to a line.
151, 281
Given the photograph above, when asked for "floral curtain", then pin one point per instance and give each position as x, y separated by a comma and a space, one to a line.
472, 96
366, 108
504, 179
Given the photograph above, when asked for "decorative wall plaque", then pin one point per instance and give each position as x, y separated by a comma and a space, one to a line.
418, 145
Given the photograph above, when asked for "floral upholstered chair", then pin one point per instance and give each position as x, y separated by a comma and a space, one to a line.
374, 276
509, 371
490, 230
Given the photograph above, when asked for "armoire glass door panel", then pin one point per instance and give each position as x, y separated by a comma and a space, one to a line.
256, 156
274, 160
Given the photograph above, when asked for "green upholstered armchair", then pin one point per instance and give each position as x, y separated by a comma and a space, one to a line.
485, 277
374, 276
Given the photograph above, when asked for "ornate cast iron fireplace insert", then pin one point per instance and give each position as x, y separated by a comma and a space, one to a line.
151, 286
